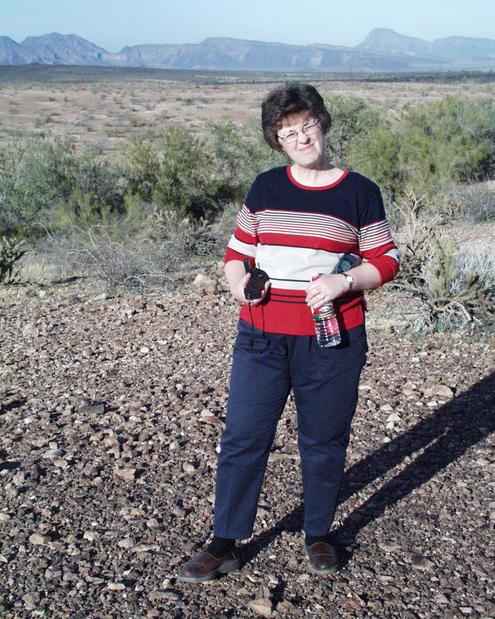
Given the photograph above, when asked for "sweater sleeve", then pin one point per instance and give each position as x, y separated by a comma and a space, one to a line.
376, 244
244, 240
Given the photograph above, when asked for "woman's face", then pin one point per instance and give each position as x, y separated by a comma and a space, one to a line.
308, 150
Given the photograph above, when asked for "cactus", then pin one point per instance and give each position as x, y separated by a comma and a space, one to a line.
455, 297
11, 251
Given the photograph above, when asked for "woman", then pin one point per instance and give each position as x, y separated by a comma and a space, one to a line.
297, 221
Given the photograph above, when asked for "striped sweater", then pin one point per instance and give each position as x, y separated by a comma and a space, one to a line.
293, 231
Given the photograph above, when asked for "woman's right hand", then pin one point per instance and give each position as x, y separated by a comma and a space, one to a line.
237, 291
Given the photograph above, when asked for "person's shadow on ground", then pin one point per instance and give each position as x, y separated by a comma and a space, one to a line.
444, 436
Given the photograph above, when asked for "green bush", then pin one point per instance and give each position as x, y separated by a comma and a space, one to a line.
240, 153
34, 173
176, 172
42, 177
351, 120
376, 154
449, 140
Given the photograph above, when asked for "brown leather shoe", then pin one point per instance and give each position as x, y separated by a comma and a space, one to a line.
205, 566
322, 558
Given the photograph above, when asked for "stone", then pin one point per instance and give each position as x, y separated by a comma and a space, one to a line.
156, 596
189, 467
36, 539
262, 607
127, 474
204, 284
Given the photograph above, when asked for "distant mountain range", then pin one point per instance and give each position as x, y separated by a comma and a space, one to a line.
382, 50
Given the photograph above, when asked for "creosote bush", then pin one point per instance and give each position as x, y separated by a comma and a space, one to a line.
39, 176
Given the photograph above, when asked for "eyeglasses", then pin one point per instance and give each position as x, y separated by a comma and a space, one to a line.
308, 129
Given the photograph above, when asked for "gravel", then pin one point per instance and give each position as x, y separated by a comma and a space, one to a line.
111, 409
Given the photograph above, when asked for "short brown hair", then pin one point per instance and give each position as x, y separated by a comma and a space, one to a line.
293, 98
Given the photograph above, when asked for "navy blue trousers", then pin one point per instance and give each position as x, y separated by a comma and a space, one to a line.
324, 381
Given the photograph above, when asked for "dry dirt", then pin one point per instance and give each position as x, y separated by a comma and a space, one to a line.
112, 409
106, 114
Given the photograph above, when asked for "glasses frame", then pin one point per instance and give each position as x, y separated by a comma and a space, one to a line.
296, 132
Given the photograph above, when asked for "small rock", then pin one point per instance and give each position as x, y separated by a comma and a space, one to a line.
127, 542
386, 408
115, 586
444, 391
421, 563
262, 607
156, 596
188, 467
440, 599
388, 546
127, 474
94, 408
384, 579
4, 517
353, 602
394, 417
204, 283
30, 601
36, 539
138, 548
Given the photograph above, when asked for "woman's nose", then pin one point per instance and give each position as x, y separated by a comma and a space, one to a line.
302, 138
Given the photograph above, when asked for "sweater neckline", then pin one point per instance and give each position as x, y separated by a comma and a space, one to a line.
311, 187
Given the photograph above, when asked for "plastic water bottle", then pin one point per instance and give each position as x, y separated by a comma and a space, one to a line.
326, 325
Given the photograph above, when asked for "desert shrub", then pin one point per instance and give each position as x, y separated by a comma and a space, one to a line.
11, 251
154, 258
239, 154
80, 209
351, 120
34, 173
175, 172
456, 286
142, 164
475, 257
477, 201
41, 176
458, 295
427, 147
448, 140
376, 154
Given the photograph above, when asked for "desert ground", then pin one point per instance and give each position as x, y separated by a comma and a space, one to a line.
106, 114
112, 405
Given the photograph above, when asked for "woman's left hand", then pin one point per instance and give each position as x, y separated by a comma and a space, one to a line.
324, 289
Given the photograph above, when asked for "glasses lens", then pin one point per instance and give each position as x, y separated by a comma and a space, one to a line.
311, 128
291, 137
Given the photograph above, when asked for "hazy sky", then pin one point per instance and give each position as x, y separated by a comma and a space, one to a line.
115, 23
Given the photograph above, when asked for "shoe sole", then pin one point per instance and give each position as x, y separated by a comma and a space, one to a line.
328, 570
323, 571
230, 566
